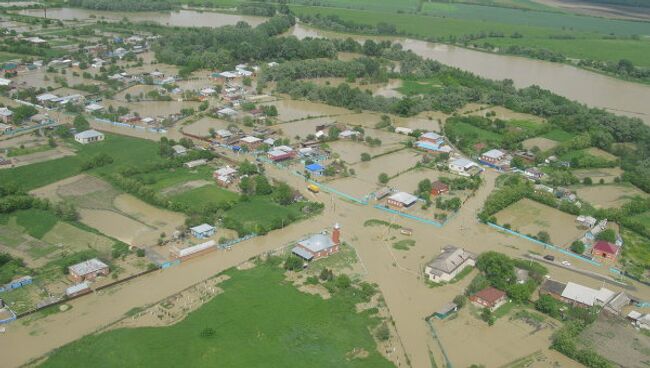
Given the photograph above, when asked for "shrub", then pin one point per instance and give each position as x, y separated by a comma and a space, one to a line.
293, 263
382, 333
578, 247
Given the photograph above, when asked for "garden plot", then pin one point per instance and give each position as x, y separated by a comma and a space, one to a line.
594, 151
608, 174
529, 218
408, 181
51, 154
391, 164
506, 114
303, 128
544, 144
355, 186
350, 151
617, 341
202, 126
153, 108
138, 91
290, 110
609, 196
430, 123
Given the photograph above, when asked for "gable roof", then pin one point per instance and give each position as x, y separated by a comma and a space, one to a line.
490, 294
317, 242
607, 247
586, 295
449, 260
86, 267
91, 133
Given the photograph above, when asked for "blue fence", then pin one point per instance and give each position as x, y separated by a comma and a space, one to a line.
230, 243
15, 284
170, 263
326, 188
9, 319
31, 127
409, 216
545, 245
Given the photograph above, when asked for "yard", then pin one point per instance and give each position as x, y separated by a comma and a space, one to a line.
610, 195
544, 144
529, 218
248, 215
616, 340
208, 195
607, 174
284, 328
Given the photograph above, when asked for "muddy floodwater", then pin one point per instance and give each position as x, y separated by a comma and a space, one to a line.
181, 18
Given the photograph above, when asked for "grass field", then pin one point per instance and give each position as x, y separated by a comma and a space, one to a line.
36, 222
636, 252
471, 135
208, 195
168, 178
405, 6
609, 195
261, 212
558, 135
574, 36
125, 151
258, 321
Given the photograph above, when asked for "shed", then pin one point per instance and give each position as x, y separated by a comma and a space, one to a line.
446, 310
203, 231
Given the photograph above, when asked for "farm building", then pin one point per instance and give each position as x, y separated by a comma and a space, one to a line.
193, 251
318, 245
89, 136
583, 296
533, 173
315, 169
402, 200
605, 250
349, 134
433, 147
223, 134
77, 289
202, 231
227, 112
438, 188
464, 167
432, 137
446, 311
93, 107
5, 114
87, 270
403, 130
586, 221
490, 297
449, 263
496, 158
224, 176
383, 193
553, 289
195, 163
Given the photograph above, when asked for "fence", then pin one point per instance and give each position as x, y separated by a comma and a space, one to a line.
131, 126
409, 216
546, 245
12, 317
31, 127
232, 242
326, 188
442, 349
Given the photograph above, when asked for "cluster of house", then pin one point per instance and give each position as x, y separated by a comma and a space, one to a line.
600, 249
241, 71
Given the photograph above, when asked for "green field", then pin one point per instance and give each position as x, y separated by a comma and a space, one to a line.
471, 135
572, 35
558, 135
170, 178
405, 6
209, 195
125, 151
258, 321
261, 213
36, 222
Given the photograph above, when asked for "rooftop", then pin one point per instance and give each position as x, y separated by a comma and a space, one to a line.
450, 259
605, 246
86, 267
317, 242
494, 153
403, 197
203, 228
91, 133
586, 295
490, 294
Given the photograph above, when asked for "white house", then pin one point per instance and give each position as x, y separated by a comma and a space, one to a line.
449, 263
93, 107
89, 136
5, 114
403, 130
464, 167
402, 200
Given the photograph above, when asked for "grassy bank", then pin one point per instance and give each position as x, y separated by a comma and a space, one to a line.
259, 320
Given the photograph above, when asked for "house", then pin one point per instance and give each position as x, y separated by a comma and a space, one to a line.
432, 137
605, 250
5, 128
93, 107
195, 163
433, 147
401, 200
47, 99
447, 310
315, 169
533, 173
208, 91
449, 263
318, 245
250, 142
490, 298
438, 188
227, 112
382, 193
583, 296
192, 251
521, 275
403, 130
5, 114
553, 289
10, 69
78, 289
496, 159
586, 221
202, 231
5, 82
223, 134
464, 167
224, 176
179, 150
349, 134
88, 270
89, 136
281, 153
36, 40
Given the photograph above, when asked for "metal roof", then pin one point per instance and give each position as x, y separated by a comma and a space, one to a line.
404, 198
317, 242
91, 133
586, 295
203, 228
493, 153
302, 253
86, 267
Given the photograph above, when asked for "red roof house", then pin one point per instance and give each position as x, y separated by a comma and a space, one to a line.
605, 250
438, 187
491, 298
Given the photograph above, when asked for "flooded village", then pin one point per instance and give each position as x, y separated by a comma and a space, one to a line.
137, 195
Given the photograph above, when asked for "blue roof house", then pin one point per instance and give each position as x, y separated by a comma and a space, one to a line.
315, 169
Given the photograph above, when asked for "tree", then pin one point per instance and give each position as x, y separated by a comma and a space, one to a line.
262, 185
246, 185
587, 181
578, 247
518, 162
293, 263
608, 235
486, 315
498, 268
247, 168
460, 300
382, 333
544, 237
80, 123
365, 157
424, 187
383, 178
343, 281
283, 194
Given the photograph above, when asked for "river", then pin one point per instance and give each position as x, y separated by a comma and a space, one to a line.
593, 89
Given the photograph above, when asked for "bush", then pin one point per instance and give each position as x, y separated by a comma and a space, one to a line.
343, 282
140, 252
311, 280
460, 300
382, 333
383, 178
365, 156
293, 263
578, 247
543, 236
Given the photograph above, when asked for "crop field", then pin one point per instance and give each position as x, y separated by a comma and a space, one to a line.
125, 151
607, 174
473, 135
165, 179
260, 213
205, 196
610, 195
406, 6
529, 218
542, 143
585, 40
284, 328
617, 341
558, 135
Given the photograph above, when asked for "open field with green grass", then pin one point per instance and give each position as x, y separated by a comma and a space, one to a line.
578, 37
260, 213
636, 253
558, 135
169, 178
125, 151
609, 195
209, 195
393, 6
284, 328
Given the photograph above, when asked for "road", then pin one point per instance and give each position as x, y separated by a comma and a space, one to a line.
398, 275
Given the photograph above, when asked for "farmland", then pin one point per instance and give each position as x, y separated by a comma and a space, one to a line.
321, 332
610, 195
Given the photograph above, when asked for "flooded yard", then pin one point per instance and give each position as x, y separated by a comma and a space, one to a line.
609, 196
152, 108
391, 164
408, 181
350, 151
202, 126
290, 110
